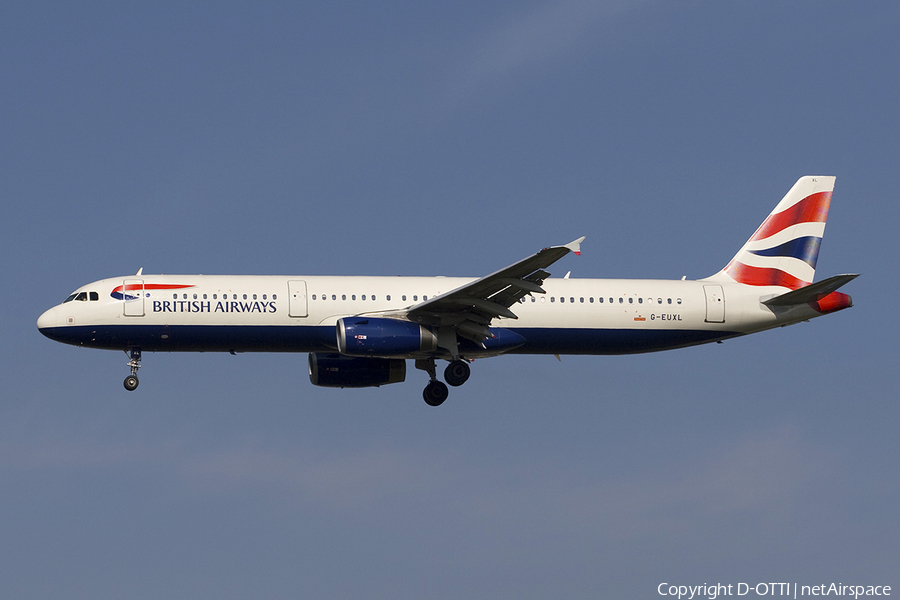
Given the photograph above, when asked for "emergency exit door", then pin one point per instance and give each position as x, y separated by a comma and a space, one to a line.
297, 298
715, 303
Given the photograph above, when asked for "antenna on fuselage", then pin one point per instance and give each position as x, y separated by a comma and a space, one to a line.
141, 270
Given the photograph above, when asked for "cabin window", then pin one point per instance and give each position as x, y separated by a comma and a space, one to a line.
363, 296
581, 300
373, 297
415, 298
621, 300
552, 299
424, 298
353, 296
600, 299
264, 296
313, 296
274, 296
592, 299
195, 296
403, 297
572, 300
533, 299
631, 301
562, 299
333, 297
640, 300
388, 297
678, 300
343, 296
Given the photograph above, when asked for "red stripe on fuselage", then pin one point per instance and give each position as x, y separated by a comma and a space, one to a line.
150, 286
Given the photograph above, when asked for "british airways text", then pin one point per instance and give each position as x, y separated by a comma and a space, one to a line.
198, 306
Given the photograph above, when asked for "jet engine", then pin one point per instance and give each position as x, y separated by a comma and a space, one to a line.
364, 336
335, 370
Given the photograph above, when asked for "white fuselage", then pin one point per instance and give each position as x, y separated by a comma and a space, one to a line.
298, 314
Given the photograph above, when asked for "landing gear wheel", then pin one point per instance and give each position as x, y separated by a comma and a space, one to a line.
131, 382
435, 393
457, 373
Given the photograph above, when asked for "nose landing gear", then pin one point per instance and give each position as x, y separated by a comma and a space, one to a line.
131, 382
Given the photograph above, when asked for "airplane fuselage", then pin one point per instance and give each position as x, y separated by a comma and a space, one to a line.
298, 314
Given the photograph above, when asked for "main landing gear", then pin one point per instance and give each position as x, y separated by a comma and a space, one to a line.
456, 374
131, 382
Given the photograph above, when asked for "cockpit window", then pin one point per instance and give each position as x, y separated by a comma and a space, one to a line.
83, 297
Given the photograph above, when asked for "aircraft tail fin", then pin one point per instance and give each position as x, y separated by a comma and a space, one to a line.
784, 250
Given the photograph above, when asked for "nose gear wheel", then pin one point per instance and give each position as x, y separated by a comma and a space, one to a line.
131, 382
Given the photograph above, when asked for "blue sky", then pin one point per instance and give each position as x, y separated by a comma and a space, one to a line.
415, 139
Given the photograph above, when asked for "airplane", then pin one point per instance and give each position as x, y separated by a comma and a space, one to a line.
360, 331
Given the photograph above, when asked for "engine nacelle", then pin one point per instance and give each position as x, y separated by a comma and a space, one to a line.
335, 370
364, 336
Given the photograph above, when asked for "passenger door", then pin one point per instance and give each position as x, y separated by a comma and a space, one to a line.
133, 297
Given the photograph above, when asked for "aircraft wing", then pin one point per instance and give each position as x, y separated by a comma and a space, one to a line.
471, 308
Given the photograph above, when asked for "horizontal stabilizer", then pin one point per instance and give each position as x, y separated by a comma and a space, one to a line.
812, 292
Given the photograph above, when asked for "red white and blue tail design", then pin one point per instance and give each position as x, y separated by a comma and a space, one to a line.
784, 250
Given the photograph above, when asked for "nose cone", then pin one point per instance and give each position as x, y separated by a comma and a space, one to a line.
47, 321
